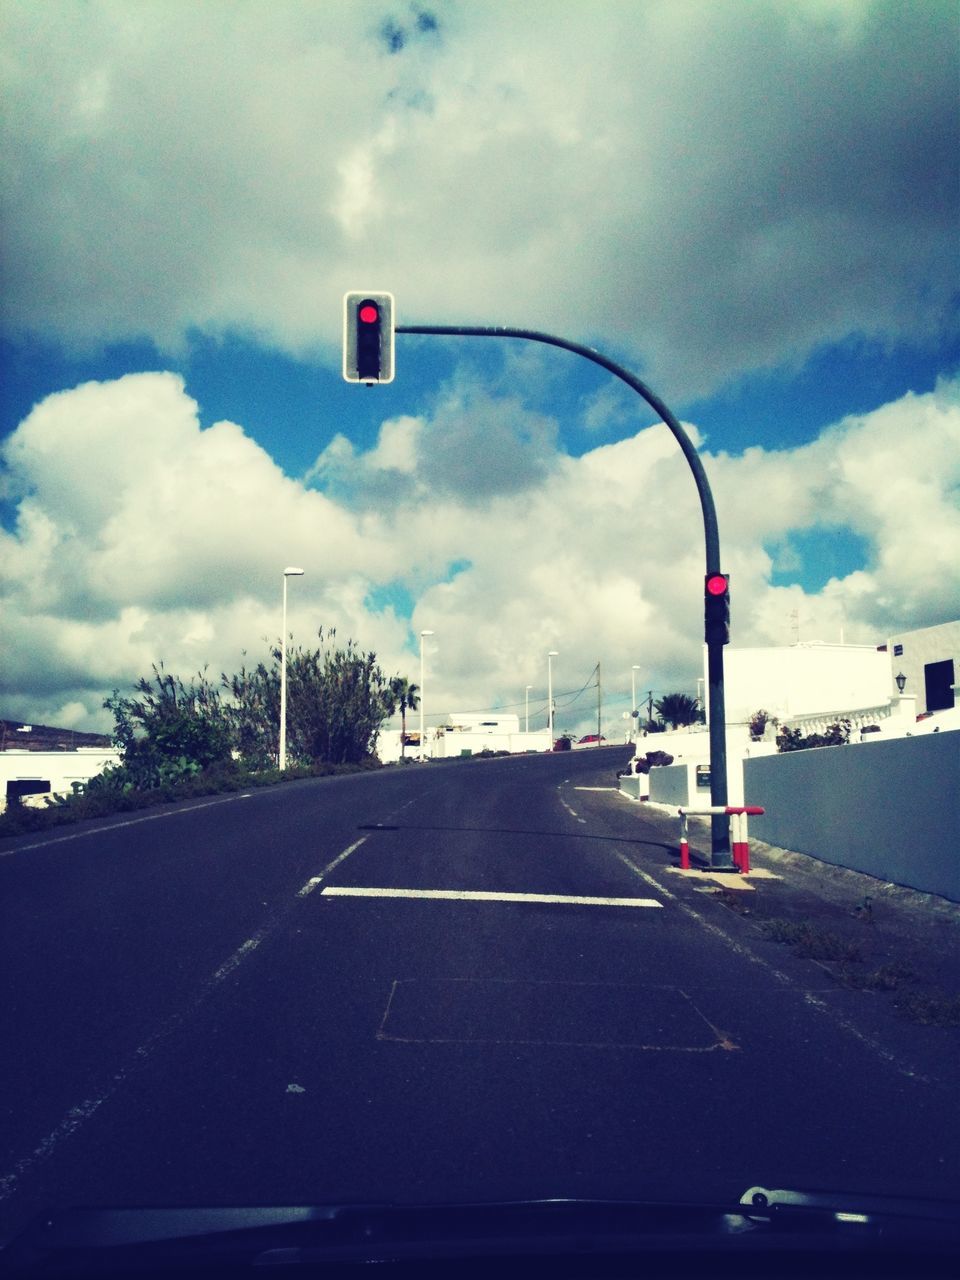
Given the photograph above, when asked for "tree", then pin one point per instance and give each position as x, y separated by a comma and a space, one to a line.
677, 709
254, 713
406, 695
171, 731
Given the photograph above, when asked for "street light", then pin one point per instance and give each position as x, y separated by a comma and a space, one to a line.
287, 573
550, 657
633, 701
529, 687
901, 680
422, 634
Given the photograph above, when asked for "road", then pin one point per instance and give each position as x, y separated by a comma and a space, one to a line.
230, 1002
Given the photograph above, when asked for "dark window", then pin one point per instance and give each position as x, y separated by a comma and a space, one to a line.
938, 678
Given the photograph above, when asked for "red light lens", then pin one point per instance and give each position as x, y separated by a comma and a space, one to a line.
369, 314
716, 584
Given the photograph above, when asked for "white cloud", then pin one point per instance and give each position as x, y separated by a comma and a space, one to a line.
142, 537
715, 187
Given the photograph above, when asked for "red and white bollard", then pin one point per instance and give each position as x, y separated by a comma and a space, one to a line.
739, 843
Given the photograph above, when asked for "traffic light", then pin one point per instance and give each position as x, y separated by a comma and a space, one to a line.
716, 597
368, 337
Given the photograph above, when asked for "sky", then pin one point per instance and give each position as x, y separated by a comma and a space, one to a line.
751, 204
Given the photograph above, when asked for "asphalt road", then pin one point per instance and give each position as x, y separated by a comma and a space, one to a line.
285, 998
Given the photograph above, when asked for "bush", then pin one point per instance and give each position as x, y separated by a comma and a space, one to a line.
837, 735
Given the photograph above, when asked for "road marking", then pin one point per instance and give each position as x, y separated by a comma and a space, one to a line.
593, 788
473, 895
647, 879
77, 1115
312, 883
572, 812
242, 951
118, 826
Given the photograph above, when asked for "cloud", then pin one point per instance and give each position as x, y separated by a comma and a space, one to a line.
713, 188
143, 537
471, 447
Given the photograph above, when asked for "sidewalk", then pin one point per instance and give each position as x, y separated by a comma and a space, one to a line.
868, 935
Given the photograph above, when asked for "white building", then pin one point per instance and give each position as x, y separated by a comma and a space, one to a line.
39, 773
804, 680
929, 661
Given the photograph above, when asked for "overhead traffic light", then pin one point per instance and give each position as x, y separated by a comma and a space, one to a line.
716, 597
368, 337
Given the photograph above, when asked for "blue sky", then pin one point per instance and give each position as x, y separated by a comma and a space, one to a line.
752, 205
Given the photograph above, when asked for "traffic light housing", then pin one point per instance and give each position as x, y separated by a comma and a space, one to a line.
716, 597
368, 340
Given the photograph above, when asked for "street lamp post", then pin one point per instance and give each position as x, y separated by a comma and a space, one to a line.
633, 702
422, 692
527, 721
282, 759
550, 657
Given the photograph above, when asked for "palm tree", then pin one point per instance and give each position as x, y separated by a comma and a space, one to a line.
405, 694
677, 709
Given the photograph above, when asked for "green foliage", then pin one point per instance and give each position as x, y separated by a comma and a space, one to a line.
677, 709
337, 700
170, 732
180, 739
254, 712
837, 735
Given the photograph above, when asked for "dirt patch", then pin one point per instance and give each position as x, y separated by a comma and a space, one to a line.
867, 934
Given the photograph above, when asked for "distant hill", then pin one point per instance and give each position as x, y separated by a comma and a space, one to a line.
44, 737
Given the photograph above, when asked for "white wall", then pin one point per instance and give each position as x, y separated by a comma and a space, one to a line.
803, 680
60, 768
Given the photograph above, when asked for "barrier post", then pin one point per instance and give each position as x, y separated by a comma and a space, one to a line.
740, 845
741, 849
684, 843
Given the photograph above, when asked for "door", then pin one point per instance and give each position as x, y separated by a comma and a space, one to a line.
939, 677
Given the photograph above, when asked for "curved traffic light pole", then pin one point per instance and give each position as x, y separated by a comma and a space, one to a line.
720, 855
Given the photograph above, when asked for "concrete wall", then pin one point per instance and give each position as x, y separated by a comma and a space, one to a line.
890, 809
60, 768
676, 784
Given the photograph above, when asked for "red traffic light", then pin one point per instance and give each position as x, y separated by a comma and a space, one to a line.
369, 313
717, 584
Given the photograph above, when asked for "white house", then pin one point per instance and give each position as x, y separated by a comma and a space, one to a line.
38, 773
805, 680
929, 662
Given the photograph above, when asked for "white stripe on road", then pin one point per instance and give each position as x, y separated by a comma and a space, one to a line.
473, 895
118, 826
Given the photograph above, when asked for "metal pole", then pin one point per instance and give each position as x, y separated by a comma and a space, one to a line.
527, 720
282, 758
720, 833
550, 698
598, 704
289, 572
